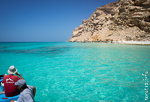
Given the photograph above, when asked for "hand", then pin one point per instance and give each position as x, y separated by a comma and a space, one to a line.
17, 73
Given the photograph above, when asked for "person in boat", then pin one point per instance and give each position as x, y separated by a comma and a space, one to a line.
27, 92
9, 82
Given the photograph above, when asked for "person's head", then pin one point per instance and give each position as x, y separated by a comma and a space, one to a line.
12, 70
21, 84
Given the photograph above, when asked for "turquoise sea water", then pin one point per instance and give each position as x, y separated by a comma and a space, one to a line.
81, 72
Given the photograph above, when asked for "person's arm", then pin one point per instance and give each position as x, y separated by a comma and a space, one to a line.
19, 75
34, 90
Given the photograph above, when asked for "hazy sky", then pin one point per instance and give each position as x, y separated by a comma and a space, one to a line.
43, 20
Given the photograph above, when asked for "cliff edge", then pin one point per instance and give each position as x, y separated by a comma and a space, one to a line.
123, 20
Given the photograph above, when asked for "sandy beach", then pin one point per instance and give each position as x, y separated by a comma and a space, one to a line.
135, 42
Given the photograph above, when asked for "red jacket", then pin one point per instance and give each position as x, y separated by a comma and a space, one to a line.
9, 85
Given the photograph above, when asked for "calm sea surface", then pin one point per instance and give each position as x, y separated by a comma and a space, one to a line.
81, 72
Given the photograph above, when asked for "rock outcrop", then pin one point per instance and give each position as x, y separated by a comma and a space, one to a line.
123, 20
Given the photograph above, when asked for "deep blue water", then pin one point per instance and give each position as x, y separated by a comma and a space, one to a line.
81, 72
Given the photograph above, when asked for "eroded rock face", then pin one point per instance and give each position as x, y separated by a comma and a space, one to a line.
121, 20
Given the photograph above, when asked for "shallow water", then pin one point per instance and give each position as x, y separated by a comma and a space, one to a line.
81, 72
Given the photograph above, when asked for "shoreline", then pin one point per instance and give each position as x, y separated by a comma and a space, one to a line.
117, 42
135, 42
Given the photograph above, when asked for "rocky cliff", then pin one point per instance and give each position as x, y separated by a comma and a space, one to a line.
123, 20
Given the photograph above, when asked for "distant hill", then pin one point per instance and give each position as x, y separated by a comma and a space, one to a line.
123, 20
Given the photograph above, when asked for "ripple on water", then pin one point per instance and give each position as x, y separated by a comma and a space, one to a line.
80, 72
